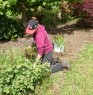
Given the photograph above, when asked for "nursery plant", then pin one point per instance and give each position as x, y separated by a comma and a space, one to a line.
58, 43
59, 40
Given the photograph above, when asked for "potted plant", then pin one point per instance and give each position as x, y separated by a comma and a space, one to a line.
58, 43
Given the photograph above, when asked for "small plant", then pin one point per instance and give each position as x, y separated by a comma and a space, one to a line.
59, 40
58, 43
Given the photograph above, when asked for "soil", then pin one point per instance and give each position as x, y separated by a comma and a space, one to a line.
75, 40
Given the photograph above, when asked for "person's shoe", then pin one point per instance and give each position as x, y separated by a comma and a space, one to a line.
56, 67
66, 65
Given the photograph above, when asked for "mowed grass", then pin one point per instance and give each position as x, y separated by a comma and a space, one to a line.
77, 81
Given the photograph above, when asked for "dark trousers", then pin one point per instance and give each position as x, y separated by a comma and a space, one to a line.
47, 57
54, 67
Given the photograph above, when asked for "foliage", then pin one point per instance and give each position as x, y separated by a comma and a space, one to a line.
26, 8
65, 11
39, 8
88, 7
50, 21
18, 76
73, 1
84, 11
59, 40
59, 14
31, 52
31, 7
10, 29
3, 6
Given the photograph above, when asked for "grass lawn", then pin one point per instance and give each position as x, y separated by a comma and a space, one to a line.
77, 81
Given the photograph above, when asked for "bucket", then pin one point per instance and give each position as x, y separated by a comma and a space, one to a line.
58, 48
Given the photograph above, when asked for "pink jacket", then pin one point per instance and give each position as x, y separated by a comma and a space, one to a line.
42, 41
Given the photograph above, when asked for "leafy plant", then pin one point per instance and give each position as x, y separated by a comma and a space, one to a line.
20, 77
59, 40
50, 21
10, 29
31, 52
66, 11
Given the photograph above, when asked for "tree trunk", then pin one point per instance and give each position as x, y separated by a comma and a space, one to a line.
24, 16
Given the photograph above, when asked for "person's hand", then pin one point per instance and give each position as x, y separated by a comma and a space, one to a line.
35, 63
38, 57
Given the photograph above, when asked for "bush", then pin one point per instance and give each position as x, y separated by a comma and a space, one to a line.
84, 11
88, 7
60, 14
10, 29
18, 76
50, 19
66, 11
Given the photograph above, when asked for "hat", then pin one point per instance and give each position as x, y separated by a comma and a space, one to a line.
32, 25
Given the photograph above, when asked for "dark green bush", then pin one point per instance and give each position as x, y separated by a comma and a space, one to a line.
50, 20
59, 15
10, 29
47, 17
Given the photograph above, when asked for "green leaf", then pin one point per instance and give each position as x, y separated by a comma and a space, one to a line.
25, 82
0, 90
18, 66
31, 87
44, 3
9, 69
6, 90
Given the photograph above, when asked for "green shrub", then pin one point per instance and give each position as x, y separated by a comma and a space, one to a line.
66, 11
19, 76
10, 29
50, 20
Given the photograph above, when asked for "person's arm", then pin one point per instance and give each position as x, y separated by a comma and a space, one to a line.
40, 45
